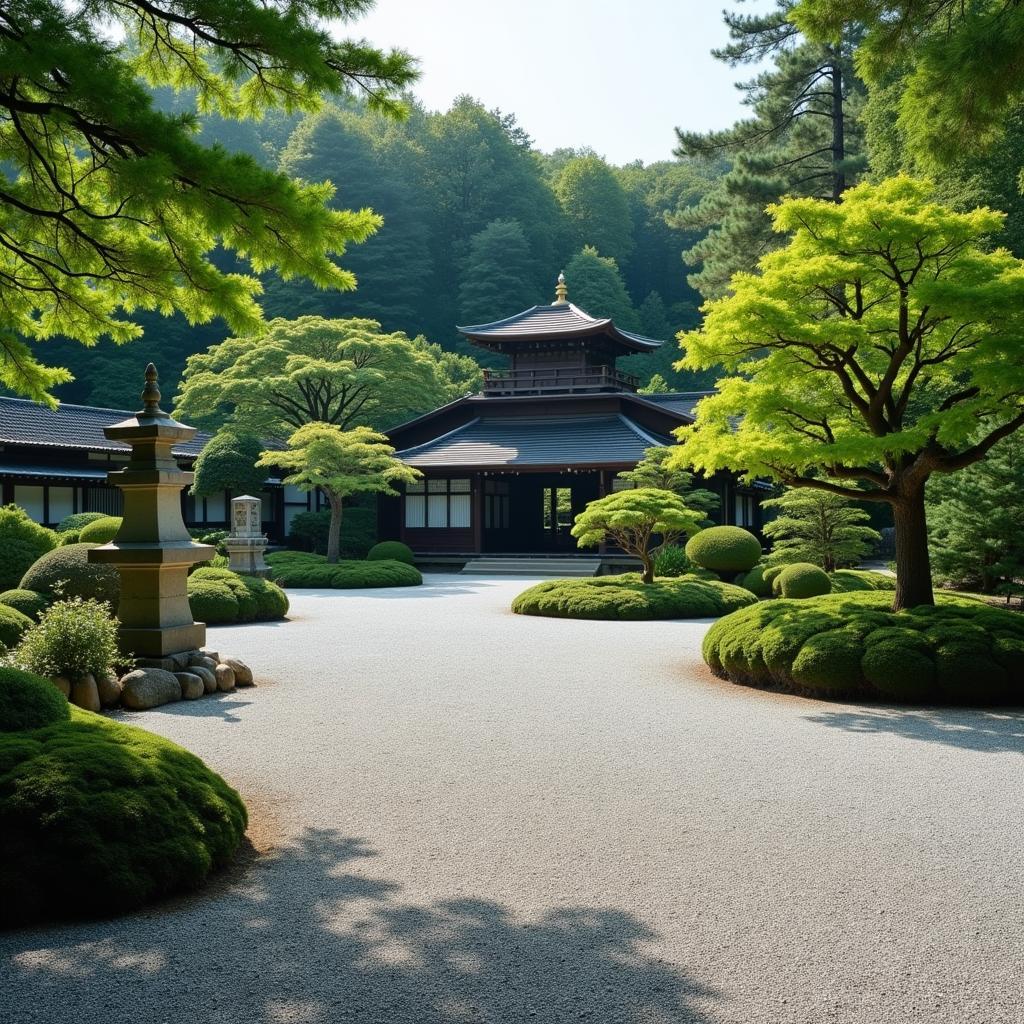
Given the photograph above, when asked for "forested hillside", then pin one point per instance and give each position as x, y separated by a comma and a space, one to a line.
477, 225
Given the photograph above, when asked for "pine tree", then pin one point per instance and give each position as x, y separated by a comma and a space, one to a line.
813, 526
596, 286
977, 522
497, 274
802, 140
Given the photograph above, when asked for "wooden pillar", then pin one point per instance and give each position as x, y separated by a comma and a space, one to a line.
477, 499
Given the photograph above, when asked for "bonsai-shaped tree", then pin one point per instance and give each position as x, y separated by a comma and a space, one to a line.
640, 521
815, 526
656, 469
228, 462
866, 356
340, 463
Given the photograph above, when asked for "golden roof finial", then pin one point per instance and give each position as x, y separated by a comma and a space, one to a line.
561, 291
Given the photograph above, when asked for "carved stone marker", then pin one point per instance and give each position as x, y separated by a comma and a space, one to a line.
246, 542
153, 550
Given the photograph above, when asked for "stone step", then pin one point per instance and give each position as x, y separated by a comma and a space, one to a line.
555, 567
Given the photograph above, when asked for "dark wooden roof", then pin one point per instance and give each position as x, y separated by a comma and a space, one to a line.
70, 426
682, 402
558, 441
560, 321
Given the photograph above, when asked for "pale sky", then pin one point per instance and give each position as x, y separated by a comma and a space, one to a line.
617, 75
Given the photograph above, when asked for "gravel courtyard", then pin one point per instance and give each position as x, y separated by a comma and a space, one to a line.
461, 815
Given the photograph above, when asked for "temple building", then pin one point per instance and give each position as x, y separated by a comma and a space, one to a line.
506, 471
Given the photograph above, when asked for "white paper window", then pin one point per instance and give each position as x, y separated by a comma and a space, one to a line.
459, 517
415, 511
437, 486
215, 510
437, 511
416, 487
62, 503
30, 498
459, 486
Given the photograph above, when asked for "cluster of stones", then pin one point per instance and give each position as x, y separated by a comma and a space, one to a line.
155, 681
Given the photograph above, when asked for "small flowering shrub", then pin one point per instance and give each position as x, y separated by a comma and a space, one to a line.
74, 637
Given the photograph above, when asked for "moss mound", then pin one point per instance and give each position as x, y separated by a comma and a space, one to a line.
99, 818
12, 625
853, 646
724, 549
391, 550
804, 579
67, 570
22, 541
301, 569
626, 597
756, 582
78, 520
28, 701
851, 581
218, 595
100, 531
28, 602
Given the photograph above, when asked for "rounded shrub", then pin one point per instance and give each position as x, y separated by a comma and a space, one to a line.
854, 646
755, 582
74, 637
68, 572
627, 597
391, 550
271, 600
13, 624
28, 602
724, 549
303, 569
22, 541
28, 701
247, 605
99, 818
78, 520
100, 531
212, 602
849, 581
804, 579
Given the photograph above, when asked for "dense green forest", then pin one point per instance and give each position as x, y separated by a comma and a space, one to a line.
477, 222
477, 225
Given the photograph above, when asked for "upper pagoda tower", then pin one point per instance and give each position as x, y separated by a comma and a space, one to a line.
557, 349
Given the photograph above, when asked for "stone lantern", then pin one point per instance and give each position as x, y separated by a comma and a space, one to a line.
246, 542
153, 550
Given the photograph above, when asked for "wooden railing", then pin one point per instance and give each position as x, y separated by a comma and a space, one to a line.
557, 380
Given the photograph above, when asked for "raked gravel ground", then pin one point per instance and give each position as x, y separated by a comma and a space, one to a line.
461, 815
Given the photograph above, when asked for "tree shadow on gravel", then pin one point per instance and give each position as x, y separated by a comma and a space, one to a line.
993, 732
306, 937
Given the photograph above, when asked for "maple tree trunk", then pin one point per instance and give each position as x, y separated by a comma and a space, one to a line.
913, 565
334, 530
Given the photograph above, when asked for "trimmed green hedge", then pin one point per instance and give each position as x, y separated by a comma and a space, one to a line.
853, 646
391, 550
756, 582
849, 581
302, 569
219, 596
22, 541
626, 597
78, 520
28, 602
724, 549
12, 625
100, 531
99, 818
69, 570
804, 579
29, 701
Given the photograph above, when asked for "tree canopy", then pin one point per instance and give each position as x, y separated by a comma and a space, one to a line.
818, 527
111, 206
228, 462
657, 469
340, 463
866, 355
596, 206
340, 372
642, 522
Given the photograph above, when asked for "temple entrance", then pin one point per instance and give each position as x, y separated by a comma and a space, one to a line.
534, 512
